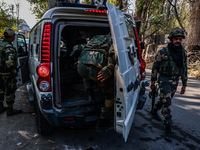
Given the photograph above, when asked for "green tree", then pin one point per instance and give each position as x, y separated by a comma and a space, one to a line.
38, 7
160, 16
87, 2
6, 18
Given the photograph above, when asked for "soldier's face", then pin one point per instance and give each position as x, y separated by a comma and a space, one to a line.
177, 40
12, 38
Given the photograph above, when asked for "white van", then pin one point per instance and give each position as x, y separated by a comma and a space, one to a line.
58, 91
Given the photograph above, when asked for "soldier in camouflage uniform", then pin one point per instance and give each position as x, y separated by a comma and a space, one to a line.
170, 64
8, 72
96, 64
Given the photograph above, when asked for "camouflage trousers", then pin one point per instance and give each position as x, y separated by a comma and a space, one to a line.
89, 74
7, 90
168, 87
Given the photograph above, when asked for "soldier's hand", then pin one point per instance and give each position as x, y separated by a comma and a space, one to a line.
183, 89
14, 72
152, 85
105, 73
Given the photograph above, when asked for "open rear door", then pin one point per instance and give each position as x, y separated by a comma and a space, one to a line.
126, 70
21, 47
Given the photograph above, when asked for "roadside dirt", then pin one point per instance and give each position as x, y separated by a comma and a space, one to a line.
18, 132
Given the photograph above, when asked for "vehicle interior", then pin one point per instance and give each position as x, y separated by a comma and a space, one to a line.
72, 90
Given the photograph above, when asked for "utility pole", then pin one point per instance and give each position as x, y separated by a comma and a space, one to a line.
12, 10
17, 6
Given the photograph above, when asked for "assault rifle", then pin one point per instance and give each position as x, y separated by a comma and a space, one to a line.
153, 94
12, 76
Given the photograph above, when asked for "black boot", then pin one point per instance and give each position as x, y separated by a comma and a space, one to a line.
2, 108
155, 114
105, 121
168, 133
90, 95
11, 111
104, 125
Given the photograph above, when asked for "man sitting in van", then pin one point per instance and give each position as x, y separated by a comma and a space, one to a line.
96, 64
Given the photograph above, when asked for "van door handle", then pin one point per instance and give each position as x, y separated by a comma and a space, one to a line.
133, 50
130, 87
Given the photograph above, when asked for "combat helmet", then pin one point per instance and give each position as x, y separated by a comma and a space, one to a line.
176, 32
9, 32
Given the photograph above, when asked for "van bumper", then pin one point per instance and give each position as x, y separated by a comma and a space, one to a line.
77, 117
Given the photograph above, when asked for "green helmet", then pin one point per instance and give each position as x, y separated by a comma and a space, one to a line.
9, 32
176, 32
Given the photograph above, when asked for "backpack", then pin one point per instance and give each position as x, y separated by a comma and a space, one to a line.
102, 42
96, 51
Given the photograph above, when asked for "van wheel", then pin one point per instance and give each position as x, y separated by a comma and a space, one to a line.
42, 124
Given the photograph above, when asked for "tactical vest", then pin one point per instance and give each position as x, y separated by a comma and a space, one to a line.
96, 51
169, 67
3, 45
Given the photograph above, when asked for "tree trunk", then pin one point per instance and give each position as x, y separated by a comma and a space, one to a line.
193, 38
138, 18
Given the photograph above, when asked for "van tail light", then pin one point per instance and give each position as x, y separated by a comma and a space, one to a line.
69, 118
97, 11
143, 64
44, 80
43, 70
45, 46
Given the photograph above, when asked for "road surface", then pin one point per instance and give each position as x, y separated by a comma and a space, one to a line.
19, 132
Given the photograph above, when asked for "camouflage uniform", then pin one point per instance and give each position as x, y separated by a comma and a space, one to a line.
8, 72
98, 56
168, 79
171, 64
69, 58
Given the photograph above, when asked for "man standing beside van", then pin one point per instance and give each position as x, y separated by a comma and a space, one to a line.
96, 64
8, 72
171, 63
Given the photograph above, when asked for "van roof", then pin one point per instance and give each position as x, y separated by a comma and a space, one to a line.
70, 9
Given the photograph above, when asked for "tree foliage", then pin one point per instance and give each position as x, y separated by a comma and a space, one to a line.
160, 16
38, 7
7, 20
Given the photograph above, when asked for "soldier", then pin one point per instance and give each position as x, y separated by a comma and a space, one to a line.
170, 63
8, 72
96, 64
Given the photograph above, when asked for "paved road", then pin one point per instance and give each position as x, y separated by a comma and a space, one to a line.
18, 132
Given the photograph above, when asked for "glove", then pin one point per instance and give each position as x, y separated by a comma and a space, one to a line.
152, 85
105, 73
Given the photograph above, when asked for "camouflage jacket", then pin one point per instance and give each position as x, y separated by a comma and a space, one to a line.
98, 52
165, 66
8, 58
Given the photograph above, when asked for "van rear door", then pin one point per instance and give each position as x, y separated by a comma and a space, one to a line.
20, 44
126, 70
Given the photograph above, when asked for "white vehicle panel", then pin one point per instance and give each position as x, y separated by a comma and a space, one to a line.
126, 72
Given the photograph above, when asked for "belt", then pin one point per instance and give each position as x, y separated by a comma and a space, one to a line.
5, 73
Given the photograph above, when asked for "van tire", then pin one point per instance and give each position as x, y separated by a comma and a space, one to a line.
42, 125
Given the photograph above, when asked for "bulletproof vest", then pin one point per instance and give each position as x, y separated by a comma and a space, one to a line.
170, 68
96, 51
